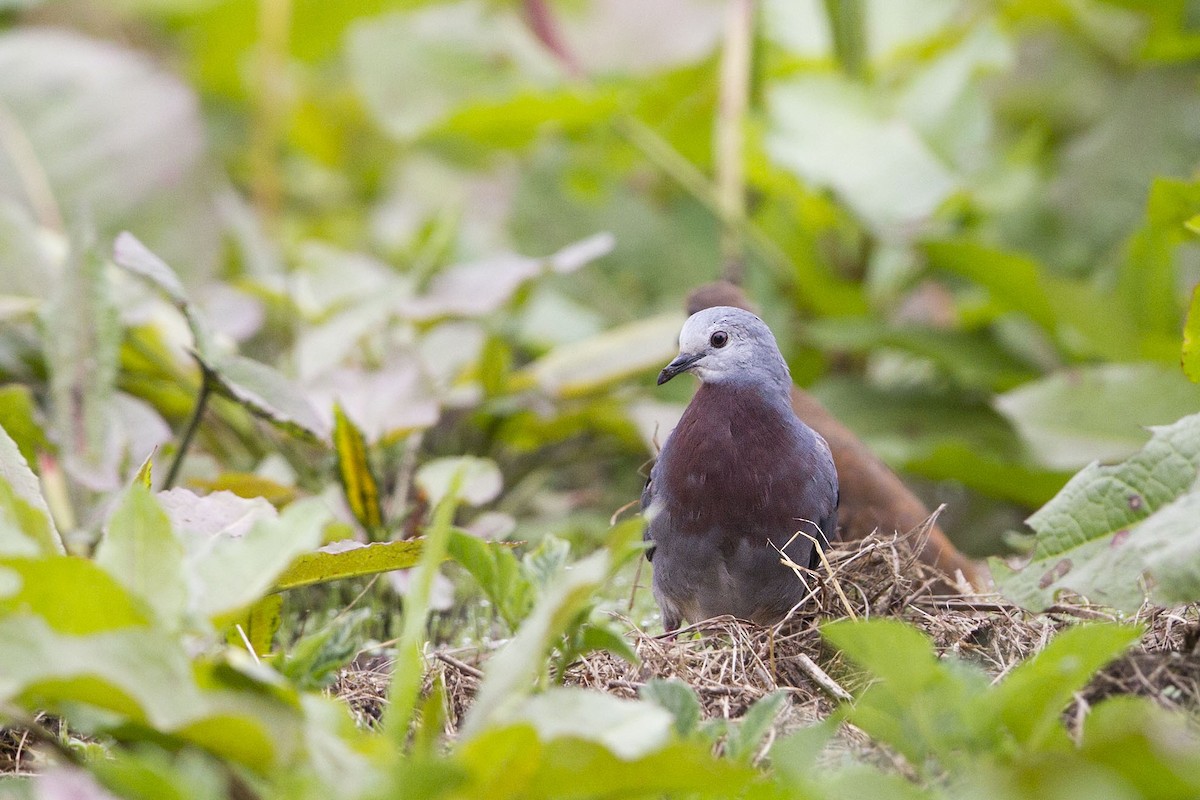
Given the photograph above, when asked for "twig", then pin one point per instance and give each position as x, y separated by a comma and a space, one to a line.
461, 666
821, 678
189, 433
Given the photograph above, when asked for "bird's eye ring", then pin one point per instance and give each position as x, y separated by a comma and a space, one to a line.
719, 339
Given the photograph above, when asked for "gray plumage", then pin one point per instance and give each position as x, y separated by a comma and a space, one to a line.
736, 480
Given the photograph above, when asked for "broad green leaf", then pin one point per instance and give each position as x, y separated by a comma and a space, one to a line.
354, 471
511, 672
72, 596
414, 68
478, 288
480, 479
26, 527
511, 761
262, 623
130, 254
228, 573
1032, 697
996, 476
248, 485
18, 418
116, 138
1149, 278
678, 698
1143, 743
1191, 339
1081, 319
498, 572
970, 359
266, 393
920, 706
408, 669
1089, 537
1082, 414
140, 550
836, 133
342, 560
590, 364
82, 337
745, 739
626, 728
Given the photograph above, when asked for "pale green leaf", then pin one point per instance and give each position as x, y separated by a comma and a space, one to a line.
626, 728
1103, 531
26, 527
1096, 413
349, 560
83, 335
598, 361
510, 674
481, 480
140, 550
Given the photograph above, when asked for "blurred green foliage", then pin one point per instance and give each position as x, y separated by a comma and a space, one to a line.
468, 226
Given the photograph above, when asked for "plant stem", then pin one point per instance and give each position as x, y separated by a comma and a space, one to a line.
847, 23
730, 133
189, 433
408, 669
274, 23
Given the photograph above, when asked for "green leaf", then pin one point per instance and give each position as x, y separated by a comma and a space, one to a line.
19, 412
971, 360
1104, 530
1191, 339
83, 335
71, 595
678, 698
349, 559
626, 728
586, 366
510, 673
480, 479
228, 573
408, 671
834, 132
1082, 414
498, 572
916, 704
26, 527
94, 154
745, 739
1032, 697
140, 550
354, 471
414, 69
262, 623
266, 393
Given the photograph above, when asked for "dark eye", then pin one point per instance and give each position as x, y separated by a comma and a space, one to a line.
719, 339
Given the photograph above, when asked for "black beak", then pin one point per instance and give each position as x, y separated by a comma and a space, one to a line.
681, 364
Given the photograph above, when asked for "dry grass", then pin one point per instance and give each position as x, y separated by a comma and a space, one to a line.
731, 664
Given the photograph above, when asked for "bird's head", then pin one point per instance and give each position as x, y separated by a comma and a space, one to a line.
727, 344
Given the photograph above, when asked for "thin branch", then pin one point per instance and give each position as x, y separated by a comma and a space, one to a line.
189, 433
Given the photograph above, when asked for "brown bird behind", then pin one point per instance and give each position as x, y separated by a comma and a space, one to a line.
872, 496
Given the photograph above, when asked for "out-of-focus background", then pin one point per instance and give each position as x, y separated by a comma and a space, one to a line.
473, 225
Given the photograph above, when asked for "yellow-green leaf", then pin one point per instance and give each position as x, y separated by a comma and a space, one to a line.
349, 560
354, 472
1191, 339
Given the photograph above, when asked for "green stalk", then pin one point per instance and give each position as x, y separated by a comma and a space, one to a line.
409, 666
848, 25
730, 139
189, 433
